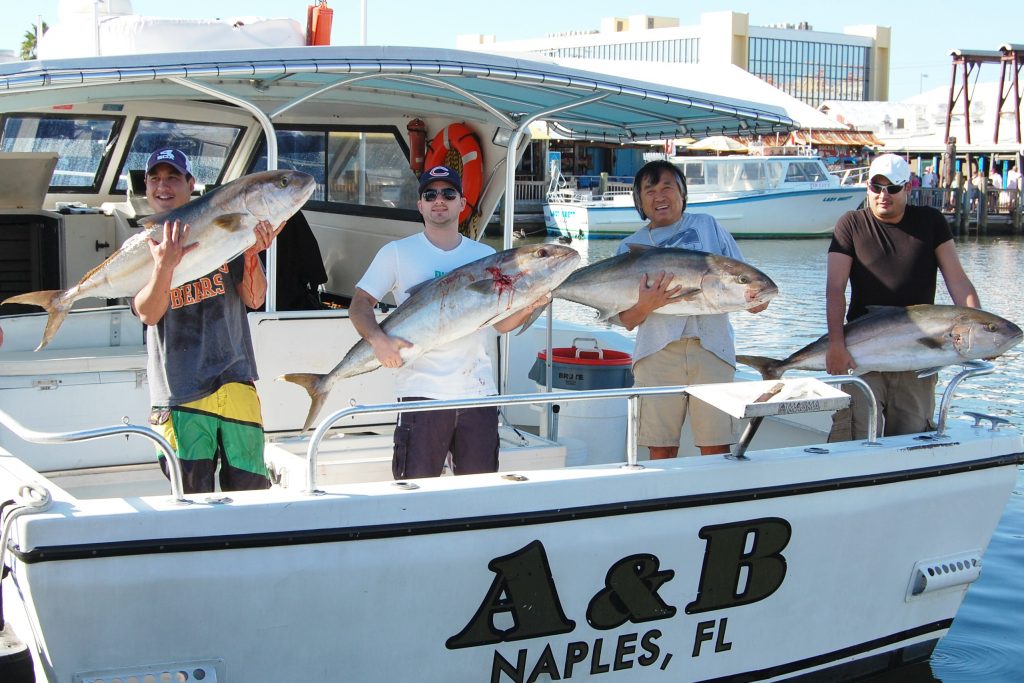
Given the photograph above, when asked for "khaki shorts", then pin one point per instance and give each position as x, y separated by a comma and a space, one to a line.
661, 417
906, 404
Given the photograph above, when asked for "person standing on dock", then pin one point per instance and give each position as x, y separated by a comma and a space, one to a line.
890, 253
458, 369
201, 363
672, 349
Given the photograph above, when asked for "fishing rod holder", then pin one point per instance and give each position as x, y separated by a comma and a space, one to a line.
971, 368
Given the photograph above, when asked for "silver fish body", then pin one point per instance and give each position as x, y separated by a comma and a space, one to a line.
450, 307
710, 283
896, 339
222, 222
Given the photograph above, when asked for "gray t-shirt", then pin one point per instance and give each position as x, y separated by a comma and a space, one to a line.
203, 340
699, 232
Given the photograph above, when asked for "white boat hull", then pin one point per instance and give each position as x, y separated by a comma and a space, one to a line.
700, 568
805, 213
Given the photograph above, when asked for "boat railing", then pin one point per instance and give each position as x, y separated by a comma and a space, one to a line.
852, 176
971, 368
87, 434
631, 394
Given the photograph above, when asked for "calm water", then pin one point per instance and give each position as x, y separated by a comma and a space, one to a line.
985, 642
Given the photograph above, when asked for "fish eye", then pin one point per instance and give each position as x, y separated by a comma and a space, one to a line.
284, 181
542, 252
991, 327
743, 279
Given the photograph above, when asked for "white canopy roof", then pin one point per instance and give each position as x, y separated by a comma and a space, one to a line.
725, 80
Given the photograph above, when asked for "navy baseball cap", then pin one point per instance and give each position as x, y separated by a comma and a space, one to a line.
172, 157
443, 174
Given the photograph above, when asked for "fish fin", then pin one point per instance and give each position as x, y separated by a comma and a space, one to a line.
640, 248
534, 314
768, 367
931, 342
482, 286
415, 288
155, 219
54, 302
229, 221
928, 372
311, 382
689, 294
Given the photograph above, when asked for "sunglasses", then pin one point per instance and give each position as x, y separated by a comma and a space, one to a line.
889, 189
450, 194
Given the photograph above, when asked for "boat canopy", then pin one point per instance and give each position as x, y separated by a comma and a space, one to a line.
580, 104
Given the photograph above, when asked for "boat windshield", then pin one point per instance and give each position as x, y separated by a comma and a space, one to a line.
207, 145
367, 168
81, 142
735, 174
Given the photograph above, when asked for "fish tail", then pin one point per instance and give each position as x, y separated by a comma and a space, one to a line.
56, 304
770, 368
313, 384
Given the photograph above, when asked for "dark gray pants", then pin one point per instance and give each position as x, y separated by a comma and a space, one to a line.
423, 441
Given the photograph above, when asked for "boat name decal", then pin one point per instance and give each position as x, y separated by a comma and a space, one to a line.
742, 564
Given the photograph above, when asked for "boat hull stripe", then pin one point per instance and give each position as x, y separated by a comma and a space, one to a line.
191, 544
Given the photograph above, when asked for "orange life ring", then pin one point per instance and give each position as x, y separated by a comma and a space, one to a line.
457, 147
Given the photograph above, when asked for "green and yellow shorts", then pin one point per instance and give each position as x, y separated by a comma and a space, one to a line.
225, 428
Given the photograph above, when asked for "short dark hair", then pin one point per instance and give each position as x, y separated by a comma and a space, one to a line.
651, 172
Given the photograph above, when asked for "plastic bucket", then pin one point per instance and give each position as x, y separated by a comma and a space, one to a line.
599, 424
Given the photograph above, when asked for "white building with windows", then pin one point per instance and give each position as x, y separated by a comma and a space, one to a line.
810, 65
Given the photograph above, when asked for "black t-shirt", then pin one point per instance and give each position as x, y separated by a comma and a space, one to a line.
893, 265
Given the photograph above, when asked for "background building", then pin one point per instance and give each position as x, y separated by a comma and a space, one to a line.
810, 65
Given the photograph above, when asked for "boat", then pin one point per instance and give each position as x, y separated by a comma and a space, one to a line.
752, 196
578, 559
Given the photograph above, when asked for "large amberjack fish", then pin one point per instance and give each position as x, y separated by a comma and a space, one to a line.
453, 306
710, 283
896, 339
222, 222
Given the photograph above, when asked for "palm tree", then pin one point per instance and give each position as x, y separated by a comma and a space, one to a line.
28, 45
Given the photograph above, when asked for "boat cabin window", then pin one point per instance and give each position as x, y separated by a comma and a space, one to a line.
208, 147
82, 144
364, 168
694, 173
804, 172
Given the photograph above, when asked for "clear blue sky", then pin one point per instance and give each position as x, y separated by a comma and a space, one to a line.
923, 30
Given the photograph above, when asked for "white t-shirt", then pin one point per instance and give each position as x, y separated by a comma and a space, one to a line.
458, 369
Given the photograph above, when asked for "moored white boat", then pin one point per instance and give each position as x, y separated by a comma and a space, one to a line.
751, 196
801, 558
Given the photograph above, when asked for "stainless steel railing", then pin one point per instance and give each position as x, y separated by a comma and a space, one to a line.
174, 465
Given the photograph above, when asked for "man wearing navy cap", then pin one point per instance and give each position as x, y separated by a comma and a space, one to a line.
890, 253
201, 363
460, 369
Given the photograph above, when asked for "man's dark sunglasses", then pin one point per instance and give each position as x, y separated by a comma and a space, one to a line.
890, 189
450, 194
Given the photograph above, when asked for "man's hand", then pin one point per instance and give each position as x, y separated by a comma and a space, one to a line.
838, 360
168, 252
388, 349
660, 292
265, 234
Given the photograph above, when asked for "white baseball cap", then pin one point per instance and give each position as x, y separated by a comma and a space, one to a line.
892, 166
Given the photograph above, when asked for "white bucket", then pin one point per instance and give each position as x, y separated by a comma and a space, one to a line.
575, 451
600, 424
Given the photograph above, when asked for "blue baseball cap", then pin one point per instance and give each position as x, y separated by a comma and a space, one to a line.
442, 174
171, 157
